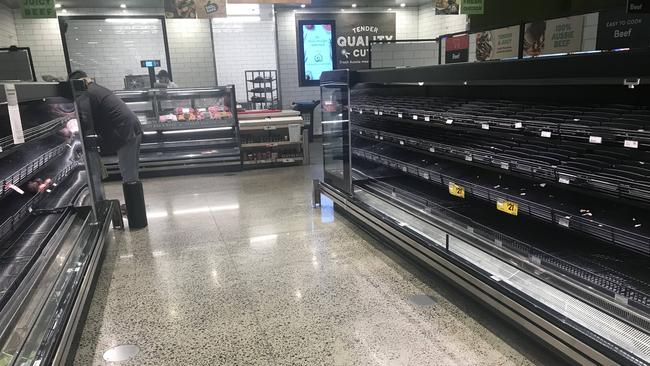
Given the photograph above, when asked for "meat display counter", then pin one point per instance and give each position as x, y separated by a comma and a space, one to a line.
52, 224
184, 129
525, 182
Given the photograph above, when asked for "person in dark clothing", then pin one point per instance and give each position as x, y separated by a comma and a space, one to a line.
116, 125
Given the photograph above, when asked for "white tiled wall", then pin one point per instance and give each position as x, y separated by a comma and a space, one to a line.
43, 38
108, 51
432, 25
404, 54
7, 27
244, 44
190, 51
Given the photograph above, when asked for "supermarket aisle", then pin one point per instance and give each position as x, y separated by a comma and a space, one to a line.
238, 269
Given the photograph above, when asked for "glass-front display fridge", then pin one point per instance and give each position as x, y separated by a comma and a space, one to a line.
525, 182
53, 222
186, 129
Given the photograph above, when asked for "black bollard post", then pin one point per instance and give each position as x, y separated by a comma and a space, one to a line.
135, 208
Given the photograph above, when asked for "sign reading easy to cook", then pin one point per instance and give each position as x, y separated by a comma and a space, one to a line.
619, 30
562, 35
354, 32
456, 49
37, 9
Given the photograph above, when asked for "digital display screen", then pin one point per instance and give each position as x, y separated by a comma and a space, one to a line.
150, 63
317, 49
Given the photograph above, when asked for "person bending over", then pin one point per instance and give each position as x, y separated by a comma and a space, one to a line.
116, 125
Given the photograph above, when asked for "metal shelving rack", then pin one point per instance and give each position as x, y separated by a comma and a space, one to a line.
181, 133
415, 155
262, 89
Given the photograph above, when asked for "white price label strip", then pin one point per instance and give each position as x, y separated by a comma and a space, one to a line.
360, 111
564, 180
399, 115
449, 121
376, 112
631, 144
546, 134
415, 117
427, 119
381, 113
519, 125
432, 149
595, 139
401, 142
14, 114
485, 126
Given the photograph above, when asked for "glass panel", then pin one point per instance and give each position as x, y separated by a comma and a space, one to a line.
336, 138
110, 50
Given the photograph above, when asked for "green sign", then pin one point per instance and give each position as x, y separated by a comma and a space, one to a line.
471, 7
37, 8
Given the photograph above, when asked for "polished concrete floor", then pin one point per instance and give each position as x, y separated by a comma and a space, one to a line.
239, 269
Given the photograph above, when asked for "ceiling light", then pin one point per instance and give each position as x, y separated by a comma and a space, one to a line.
354, 5
57, 5
123, 6
302, 5
64, 11
402, 5
389, 9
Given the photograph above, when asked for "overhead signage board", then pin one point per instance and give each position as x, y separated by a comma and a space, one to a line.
472, 7
619, 30
562, 35
456, 49
353, 34
32, 9
497, 44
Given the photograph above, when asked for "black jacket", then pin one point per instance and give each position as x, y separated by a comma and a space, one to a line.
111, 118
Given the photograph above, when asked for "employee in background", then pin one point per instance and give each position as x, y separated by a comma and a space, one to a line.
163, 78
118, 128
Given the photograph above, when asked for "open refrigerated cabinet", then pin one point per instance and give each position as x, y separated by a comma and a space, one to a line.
52, 230
184, 129
272, 139
525, 182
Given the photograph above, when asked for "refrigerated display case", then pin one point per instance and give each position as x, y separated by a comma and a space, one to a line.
525, 182
53, 223
272, 139
193, 129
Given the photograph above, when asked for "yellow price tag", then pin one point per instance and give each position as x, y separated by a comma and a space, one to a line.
456, 190
508, 207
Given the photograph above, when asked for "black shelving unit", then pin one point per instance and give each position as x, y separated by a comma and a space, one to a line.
262, 89
525, 182
190, 129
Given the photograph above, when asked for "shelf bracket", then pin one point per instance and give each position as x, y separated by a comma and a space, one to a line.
631, 83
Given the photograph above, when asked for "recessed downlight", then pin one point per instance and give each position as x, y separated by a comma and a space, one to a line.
402, 5
123, 6
57, 5
302, 5
354, 5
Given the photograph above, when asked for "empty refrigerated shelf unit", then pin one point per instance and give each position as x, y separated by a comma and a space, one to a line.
526, 182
